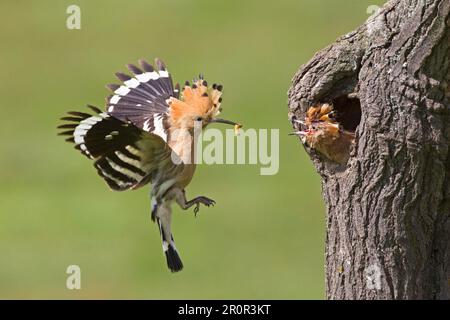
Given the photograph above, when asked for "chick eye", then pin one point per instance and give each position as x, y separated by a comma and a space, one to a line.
199, 119
332, 115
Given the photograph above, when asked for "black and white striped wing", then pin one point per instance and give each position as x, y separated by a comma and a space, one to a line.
125, 155
141, 98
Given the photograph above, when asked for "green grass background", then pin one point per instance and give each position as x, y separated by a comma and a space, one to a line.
265, 237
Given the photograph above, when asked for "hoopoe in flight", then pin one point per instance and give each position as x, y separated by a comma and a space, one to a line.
325, 134
146, 135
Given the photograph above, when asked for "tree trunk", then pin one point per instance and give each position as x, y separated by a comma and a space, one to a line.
388, 208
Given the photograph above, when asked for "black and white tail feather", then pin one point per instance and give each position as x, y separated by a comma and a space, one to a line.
161, 213
128, 141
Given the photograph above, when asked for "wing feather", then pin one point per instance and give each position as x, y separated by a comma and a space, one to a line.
125, 156
142, 97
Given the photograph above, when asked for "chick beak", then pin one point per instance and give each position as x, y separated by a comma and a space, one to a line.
301, 122
299, 133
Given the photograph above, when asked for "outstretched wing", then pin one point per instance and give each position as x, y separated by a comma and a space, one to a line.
125, 156
141, 98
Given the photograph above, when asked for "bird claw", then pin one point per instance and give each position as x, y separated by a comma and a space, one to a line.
196, 209
202, 200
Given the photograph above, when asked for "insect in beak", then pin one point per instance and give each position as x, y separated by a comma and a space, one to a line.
237, 126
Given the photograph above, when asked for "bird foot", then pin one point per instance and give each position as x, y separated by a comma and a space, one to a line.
202, 200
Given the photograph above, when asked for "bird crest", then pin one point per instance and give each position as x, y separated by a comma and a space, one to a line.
198, 103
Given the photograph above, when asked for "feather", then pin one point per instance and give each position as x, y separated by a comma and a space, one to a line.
125, 155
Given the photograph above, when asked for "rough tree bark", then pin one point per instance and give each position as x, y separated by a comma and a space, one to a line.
388, 208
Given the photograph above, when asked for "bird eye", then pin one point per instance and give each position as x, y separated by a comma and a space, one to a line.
199, 119
332, 115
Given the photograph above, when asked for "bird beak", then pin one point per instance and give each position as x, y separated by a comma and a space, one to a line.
299, 133
218, 120
301, 122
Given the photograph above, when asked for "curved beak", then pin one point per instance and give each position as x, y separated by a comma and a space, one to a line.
218, 120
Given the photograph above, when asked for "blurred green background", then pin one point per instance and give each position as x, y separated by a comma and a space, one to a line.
265, 237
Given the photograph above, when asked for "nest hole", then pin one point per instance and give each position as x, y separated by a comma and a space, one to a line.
348, 111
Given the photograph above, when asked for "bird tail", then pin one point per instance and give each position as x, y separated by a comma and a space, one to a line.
173, 259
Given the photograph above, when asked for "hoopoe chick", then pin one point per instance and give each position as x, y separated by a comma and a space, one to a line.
146, 135
324, 134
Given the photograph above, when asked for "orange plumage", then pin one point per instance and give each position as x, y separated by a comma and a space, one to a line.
324, 134
197, 101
